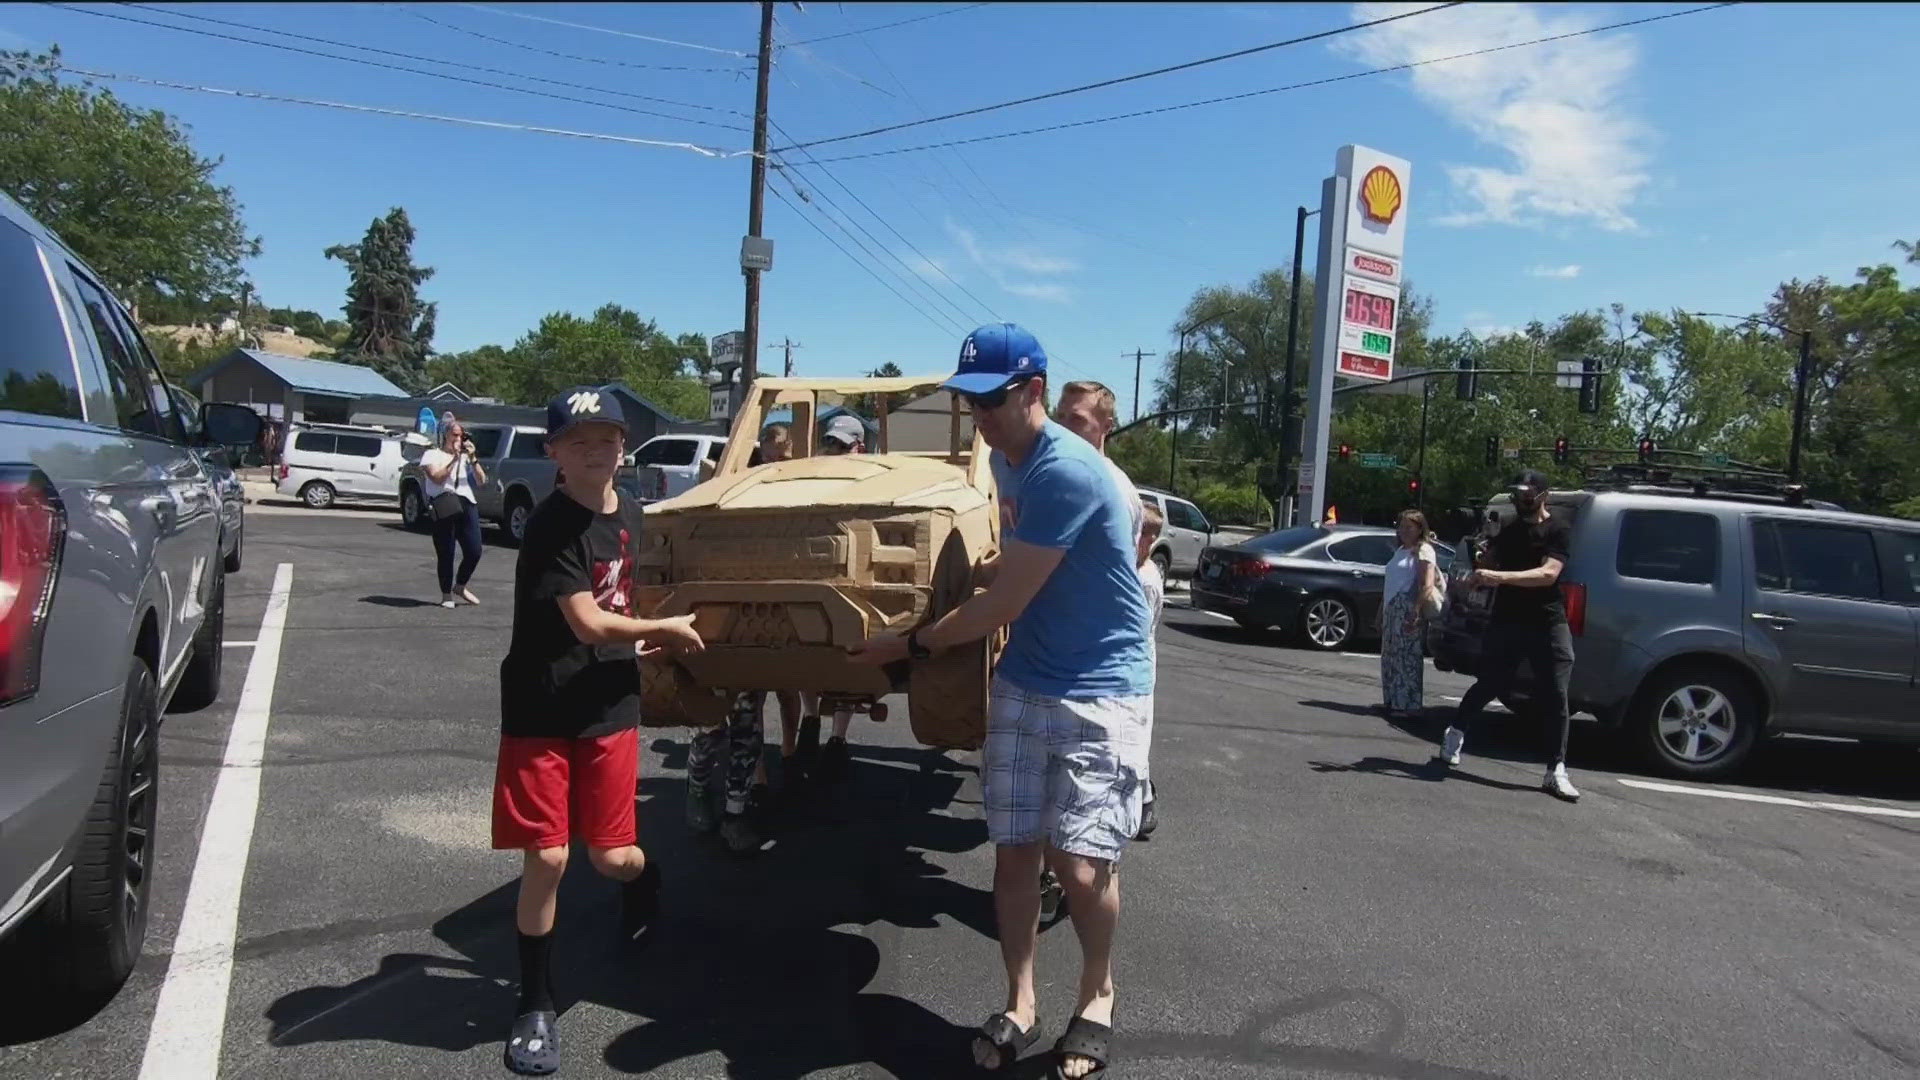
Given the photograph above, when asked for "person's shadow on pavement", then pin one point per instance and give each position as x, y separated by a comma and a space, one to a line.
744, 960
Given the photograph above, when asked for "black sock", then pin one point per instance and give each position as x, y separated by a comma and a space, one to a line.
536, 990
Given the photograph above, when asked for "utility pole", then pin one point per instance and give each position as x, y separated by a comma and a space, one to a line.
1289, 436
1137, 354
788, 344
757, 199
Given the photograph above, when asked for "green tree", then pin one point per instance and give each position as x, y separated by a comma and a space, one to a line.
391, 327
615, 345
122, 186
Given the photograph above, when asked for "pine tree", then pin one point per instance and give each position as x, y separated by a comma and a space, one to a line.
392, 328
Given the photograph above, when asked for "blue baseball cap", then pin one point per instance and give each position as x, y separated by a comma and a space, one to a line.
584, 405
995, 355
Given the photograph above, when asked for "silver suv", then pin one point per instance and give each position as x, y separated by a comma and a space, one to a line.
112, 597
1703, 623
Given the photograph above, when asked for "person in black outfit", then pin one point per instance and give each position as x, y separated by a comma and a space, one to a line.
570, 703
1528, 626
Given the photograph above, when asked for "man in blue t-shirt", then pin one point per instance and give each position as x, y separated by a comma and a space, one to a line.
1072, 700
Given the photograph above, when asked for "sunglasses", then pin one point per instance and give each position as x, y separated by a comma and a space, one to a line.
993, 399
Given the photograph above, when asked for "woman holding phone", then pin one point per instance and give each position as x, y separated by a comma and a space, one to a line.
450, 473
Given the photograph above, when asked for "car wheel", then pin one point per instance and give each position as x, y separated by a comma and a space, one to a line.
1696, 722
318, 494
413, 508
1326, 622
90, 930
232, 562
200, 682
1163, 559
518, 511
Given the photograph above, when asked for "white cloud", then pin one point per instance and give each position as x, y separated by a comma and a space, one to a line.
931, 269
1571, 270
1011, 266
1552, 110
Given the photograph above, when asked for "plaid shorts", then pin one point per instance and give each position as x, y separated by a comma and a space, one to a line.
1064, 770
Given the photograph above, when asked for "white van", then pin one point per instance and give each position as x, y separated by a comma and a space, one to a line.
1186, 531
327, 462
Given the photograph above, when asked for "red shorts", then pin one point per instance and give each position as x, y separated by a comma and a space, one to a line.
549, 791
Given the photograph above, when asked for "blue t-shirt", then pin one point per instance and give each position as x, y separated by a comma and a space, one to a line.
1084, 635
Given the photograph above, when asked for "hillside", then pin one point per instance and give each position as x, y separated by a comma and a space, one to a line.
269, 340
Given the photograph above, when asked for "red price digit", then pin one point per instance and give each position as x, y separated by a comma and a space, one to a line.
1383, 312
1356, 306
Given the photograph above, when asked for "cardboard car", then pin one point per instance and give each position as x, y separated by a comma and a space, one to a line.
785, 565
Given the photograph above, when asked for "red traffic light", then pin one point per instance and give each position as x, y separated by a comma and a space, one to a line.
1646, 449
1413, 487
1346, 451
1560, 450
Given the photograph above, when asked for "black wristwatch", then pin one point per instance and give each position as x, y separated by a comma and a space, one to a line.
915, 650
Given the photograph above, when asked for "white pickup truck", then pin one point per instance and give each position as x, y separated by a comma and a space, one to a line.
668, 465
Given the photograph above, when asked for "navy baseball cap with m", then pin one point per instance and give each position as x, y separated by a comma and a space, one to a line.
584, 405
994, 356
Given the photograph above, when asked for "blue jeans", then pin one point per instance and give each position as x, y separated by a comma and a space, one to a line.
462, 528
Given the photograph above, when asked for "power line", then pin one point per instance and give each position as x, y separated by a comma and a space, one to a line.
433, 60
605, 30
258, 95
908, 279
567, 56
923, 313
781, 163
887, 26
1270, 90
1131, 78
390, 67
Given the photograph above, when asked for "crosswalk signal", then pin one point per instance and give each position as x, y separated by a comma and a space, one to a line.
1346, 451
1560, 449
1646, 450
1493, 451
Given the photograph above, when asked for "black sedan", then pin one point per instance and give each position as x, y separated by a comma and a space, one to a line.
1323, 581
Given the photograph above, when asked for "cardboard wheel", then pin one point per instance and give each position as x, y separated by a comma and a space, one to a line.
947, 697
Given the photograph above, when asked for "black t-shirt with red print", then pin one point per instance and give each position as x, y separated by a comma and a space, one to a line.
553, 685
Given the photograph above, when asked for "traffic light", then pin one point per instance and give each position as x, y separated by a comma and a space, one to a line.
1413, 489
1646, 450
1590, 385
1560, 450
1346, 451
1466, 383
1493, 451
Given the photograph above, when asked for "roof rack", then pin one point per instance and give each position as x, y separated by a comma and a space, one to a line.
1731, 479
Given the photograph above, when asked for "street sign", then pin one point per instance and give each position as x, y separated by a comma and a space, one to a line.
729, 348
756, 253
1379, 461
1570, 372
1718, 459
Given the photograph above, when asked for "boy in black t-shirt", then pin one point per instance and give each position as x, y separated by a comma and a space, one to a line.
570, 702
1528, 626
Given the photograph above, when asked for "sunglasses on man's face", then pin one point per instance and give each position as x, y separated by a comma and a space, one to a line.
992, 399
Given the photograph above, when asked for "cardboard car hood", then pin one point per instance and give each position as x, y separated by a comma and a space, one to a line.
879, 481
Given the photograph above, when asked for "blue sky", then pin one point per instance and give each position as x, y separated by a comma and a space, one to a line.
1694, 162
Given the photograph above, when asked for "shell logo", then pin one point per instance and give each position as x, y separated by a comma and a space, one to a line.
1380, 197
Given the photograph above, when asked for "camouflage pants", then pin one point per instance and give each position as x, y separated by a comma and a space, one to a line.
742, 737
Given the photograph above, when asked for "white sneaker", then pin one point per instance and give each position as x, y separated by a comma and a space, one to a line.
1450, 745
1557, 785
447, 601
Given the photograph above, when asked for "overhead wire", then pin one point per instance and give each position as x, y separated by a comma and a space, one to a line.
392, 67
1270, 90
435, 60
888, 26
923, 289
608, 30
260, 95
1137, 76
922, 312
741, 70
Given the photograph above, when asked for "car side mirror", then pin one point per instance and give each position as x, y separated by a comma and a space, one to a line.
627, 460
222, 424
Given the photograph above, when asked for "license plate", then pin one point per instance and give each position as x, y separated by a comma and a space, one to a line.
1212, 571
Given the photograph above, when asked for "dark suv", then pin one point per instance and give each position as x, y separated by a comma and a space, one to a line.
112, 593
1705, 622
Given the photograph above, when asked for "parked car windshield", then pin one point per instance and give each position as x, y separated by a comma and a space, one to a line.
1287, 539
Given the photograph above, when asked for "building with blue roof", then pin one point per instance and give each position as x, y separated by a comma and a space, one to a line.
290, 388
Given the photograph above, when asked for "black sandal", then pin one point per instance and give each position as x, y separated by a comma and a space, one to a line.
1006, 1038
533, 1047
1084, 1038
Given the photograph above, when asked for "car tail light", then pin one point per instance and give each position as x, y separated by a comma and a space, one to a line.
1576, 595
284, 470
1249, 566
33, 532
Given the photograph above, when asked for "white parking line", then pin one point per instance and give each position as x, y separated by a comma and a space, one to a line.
241, 644
1776, 800
190, 1018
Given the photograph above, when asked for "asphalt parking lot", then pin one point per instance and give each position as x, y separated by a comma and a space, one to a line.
1319, 901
